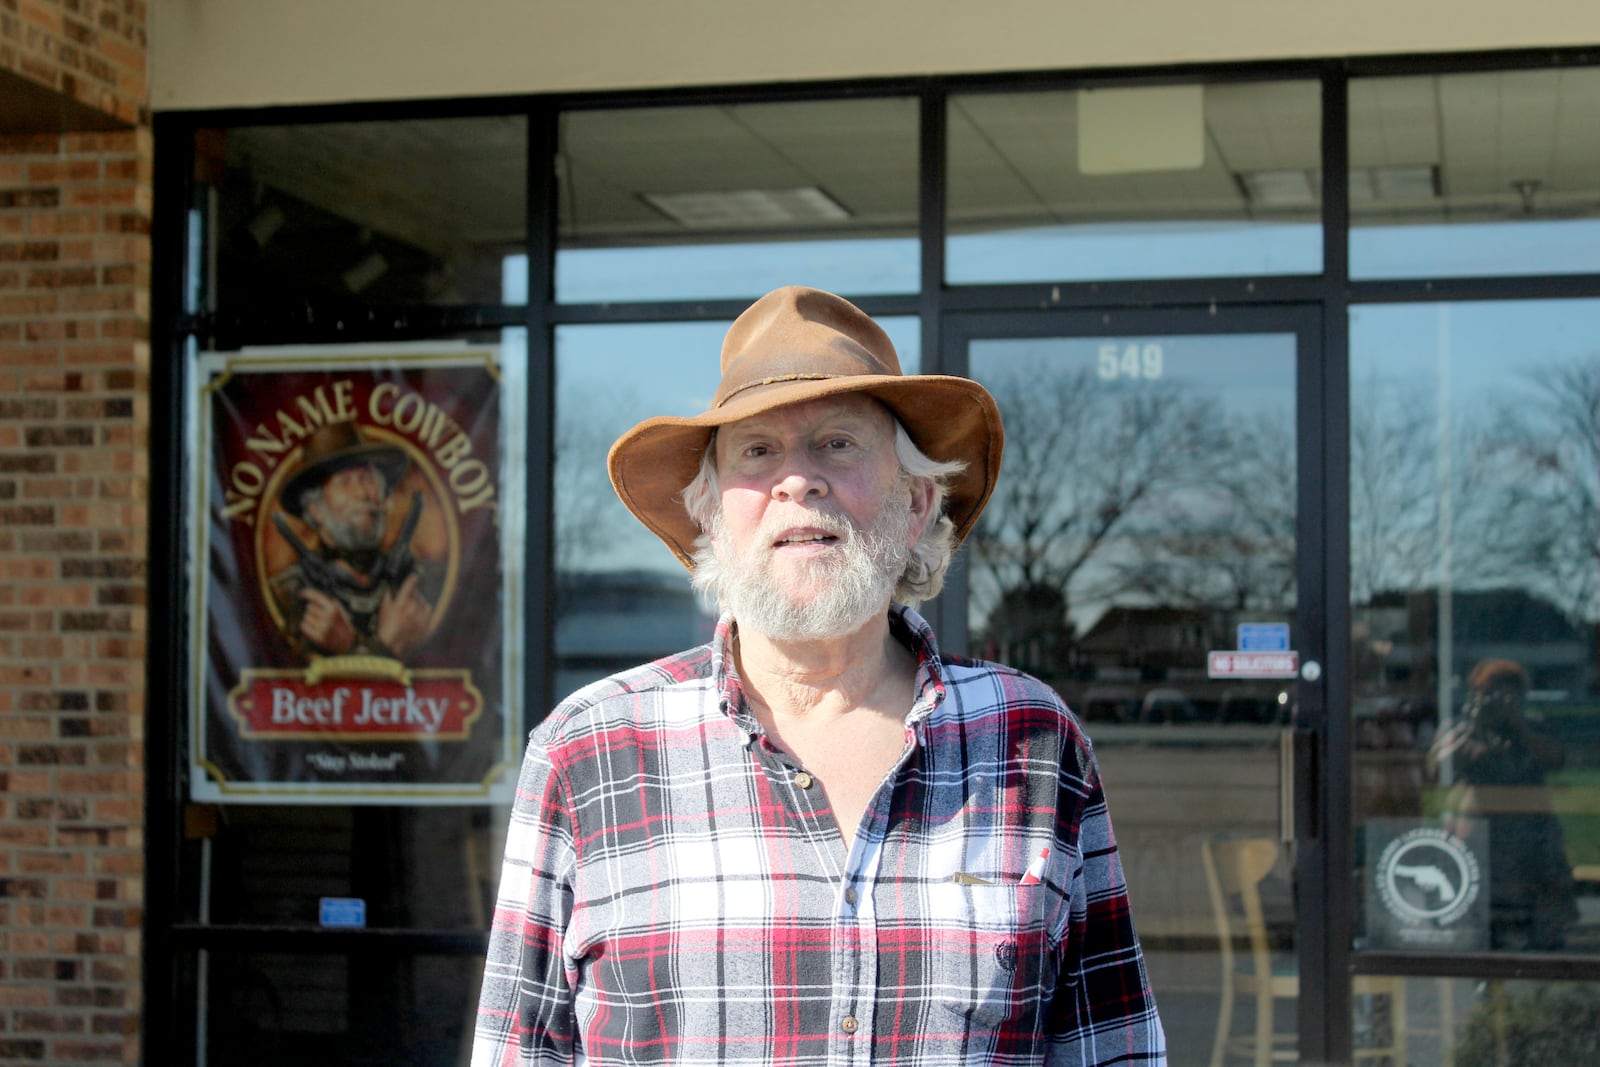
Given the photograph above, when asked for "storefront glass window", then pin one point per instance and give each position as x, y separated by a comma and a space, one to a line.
268, 1009
1475, 174
1474, 1022
329, 216
1119, 184
390, 867
732, 200
1475, 586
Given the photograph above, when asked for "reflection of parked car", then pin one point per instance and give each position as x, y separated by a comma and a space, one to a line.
1167, 705
1249, 704
1108, 703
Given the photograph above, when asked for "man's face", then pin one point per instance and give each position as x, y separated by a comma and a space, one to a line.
349, 514
816, 521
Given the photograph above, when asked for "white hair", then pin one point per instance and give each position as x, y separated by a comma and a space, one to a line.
929, 558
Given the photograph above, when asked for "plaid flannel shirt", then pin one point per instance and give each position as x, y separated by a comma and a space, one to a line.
675, 888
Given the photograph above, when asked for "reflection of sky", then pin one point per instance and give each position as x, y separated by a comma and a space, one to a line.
1112, 252
712, 271
1488, 344
1130, 251
1243, 372
1076, 253
1480, 249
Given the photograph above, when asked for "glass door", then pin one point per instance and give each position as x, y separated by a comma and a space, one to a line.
1146, 554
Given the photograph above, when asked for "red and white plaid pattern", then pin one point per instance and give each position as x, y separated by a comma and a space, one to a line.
673, 894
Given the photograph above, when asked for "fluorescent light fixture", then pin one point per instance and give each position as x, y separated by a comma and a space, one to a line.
1298, 187
748, 207
1398, 183
371, 267
1151, 128
1282, 188
265, 224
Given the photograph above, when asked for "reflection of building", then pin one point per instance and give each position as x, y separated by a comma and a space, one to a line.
1148, 665
1398, 640
610, 620
1155, 641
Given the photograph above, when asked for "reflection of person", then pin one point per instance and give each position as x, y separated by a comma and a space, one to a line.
1499, 760
349, 594
817, 838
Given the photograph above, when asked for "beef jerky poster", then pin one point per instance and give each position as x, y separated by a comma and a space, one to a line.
355, 618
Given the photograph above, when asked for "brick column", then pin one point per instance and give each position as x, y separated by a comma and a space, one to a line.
74, 400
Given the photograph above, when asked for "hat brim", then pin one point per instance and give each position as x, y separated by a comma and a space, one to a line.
948, 418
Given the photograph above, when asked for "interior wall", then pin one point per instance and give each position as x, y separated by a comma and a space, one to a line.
222, 53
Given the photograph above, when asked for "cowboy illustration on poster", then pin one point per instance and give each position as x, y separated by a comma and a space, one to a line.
349, 591
355, 623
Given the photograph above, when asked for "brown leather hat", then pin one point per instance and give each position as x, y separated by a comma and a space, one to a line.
797, 344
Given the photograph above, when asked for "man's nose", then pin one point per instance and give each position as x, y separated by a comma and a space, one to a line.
799, 481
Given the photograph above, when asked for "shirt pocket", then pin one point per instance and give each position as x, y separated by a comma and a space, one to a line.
995, 965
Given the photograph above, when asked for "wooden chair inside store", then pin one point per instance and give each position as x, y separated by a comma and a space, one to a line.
1235, 869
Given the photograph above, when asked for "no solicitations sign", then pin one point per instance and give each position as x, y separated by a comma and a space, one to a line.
1252, 664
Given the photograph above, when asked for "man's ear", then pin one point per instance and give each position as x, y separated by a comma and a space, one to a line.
922, 498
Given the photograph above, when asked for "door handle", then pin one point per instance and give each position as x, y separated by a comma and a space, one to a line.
1298, 816
1286, 785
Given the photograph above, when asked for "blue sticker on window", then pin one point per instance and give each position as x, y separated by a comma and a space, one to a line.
343, 911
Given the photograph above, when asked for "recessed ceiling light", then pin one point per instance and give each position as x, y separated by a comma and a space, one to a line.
748, 207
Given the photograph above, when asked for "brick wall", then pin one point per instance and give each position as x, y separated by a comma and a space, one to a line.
93, 52
74, 362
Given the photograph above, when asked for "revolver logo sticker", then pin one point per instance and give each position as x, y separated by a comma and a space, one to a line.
1428, 876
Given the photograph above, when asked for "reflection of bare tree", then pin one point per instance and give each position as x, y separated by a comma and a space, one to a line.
1228, 542
1083, 458
1507, 496
1538, 465
1394, 490
586, 511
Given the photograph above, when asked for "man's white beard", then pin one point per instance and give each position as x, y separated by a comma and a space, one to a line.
846, 587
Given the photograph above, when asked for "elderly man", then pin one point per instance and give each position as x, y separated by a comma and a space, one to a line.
818, 839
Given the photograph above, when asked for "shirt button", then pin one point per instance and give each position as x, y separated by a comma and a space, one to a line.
803, 780
849, 1024
850, 896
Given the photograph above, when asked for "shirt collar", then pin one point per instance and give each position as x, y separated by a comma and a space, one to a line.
907, 627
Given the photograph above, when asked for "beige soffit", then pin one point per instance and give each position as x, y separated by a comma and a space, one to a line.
219, 53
